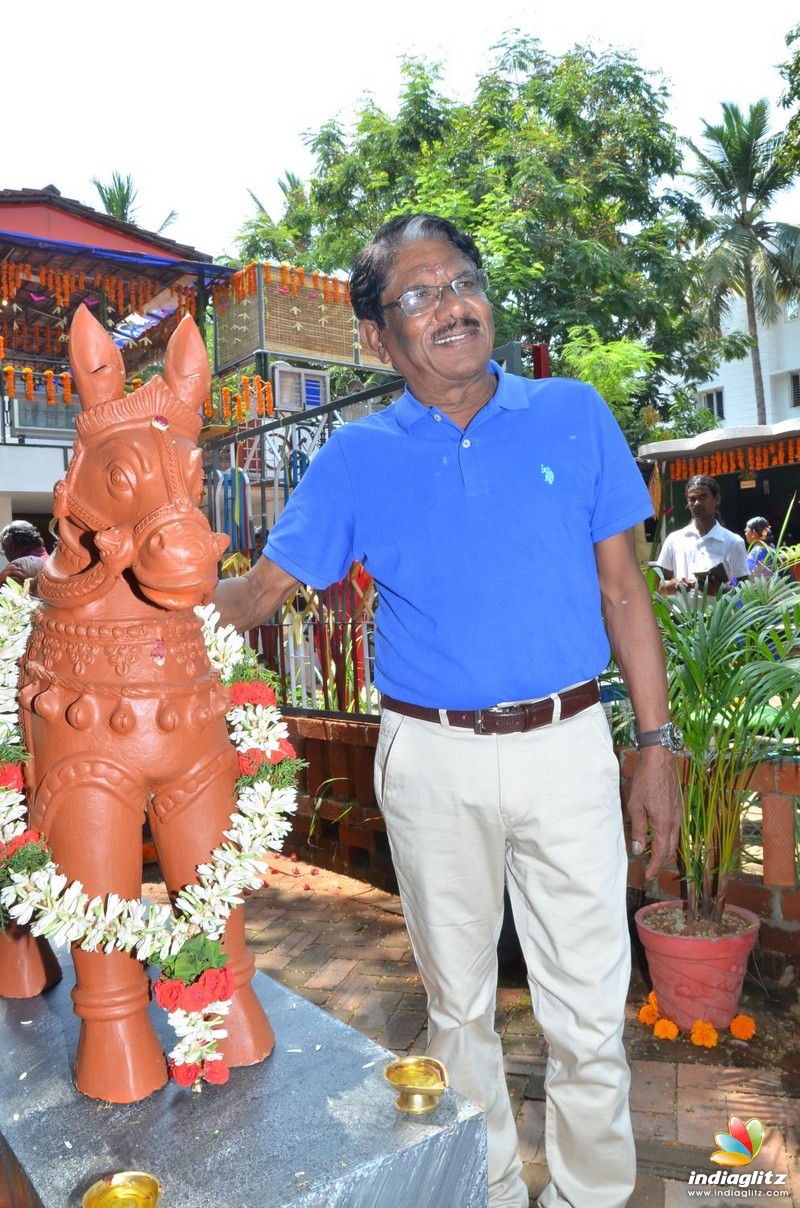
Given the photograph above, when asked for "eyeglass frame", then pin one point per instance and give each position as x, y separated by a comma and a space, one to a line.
480, 275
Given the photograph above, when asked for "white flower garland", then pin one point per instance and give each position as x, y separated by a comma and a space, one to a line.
64, 914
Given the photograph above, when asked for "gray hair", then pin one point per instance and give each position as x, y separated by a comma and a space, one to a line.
373, 265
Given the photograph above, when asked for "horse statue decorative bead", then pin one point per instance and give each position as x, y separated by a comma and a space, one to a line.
122, 714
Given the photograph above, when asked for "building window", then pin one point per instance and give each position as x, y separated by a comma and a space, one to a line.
794, 378
713, 400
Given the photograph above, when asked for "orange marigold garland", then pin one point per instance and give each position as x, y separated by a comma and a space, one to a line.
743, 1027
665, 1029
704, 1034
649, 1014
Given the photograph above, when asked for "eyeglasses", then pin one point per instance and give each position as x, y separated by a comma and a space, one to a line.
424, 298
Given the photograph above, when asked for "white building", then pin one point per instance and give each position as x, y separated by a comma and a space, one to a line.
730, 394
756, 466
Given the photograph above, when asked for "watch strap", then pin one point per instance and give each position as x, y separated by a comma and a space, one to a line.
650, 738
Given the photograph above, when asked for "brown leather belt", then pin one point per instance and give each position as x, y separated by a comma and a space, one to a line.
506, 719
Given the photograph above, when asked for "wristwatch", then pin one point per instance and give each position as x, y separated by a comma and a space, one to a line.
668, 736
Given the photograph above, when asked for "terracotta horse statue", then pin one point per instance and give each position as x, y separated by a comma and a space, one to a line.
123, 717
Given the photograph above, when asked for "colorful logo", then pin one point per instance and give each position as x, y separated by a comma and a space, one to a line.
740, 1144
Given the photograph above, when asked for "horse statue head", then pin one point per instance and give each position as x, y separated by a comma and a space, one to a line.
129, 505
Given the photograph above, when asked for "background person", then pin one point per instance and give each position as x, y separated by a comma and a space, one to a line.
22, 545
474, 468
703, 552
761, 552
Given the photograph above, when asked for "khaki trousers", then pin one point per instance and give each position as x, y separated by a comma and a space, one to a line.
465, 813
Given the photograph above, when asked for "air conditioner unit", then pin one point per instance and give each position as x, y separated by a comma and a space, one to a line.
296, 389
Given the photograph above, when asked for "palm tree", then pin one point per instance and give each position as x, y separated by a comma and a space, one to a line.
740, 173
119, 196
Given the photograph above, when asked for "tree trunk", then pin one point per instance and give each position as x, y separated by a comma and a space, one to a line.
755, 353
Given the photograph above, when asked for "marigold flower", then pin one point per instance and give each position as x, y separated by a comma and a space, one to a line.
743, 1027
648, 1014
665, 1029
704, 1034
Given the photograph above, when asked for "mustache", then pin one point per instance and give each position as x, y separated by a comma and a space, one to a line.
448, 329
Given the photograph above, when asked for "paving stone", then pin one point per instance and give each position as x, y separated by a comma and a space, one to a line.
332, 973
653, 1086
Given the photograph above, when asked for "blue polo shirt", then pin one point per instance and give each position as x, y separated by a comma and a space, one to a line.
481, 542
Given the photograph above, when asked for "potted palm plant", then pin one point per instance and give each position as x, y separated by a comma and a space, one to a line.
734, 682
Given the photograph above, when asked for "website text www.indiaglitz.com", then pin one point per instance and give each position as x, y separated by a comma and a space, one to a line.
739, 1193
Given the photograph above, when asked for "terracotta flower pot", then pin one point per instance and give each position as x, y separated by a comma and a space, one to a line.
697, 977
28, 964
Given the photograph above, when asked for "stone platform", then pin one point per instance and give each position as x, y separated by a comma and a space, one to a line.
315, 1126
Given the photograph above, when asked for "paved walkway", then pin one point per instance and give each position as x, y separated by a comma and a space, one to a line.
343, 945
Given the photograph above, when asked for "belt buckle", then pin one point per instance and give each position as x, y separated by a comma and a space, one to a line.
496, 711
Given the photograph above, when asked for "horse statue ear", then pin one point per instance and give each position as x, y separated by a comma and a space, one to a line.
97, 364
186, 370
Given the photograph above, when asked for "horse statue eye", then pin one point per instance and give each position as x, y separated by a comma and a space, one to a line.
119, 478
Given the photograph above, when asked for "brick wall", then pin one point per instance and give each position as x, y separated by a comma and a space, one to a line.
338, 825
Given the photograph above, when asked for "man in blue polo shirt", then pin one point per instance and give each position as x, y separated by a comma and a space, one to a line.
494, 760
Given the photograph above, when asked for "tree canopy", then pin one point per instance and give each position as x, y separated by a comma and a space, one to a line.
557, 167
740, 170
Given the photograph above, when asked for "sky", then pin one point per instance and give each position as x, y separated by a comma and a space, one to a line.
201, 102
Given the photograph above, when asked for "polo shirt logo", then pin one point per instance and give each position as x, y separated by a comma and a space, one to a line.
548, 475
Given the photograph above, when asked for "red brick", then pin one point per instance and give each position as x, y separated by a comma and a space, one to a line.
628, 758
790, 907
788, 778
636, 874
356, 836
780, 861
764, 779
669, 883
750, 893
776, 939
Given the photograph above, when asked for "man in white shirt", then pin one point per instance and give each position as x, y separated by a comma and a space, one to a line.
704, 553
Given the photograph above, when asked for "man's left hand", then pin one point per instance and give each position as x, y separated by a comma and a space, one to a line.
654, 801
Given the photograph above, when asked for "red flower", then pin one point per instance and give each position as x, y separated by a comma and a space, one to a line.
254, 693
218, 983
250, 761
195, 997
168, 993
20, 841
285, 750
216, 1072
185, 1075
11, 776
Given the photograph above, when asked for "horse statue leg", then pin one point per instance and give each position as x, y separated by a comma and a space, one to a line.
187, 822
91, 811
28, 964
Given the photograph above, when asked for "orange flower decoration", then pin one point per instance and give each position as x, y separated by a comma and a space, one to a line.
665, 1029
704, 1034
743, 1027
648, 1014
